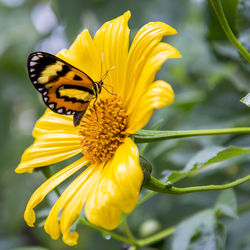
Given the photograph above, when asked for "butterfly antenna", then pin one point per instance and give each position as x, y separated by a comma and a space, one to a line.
105, 75
109, 91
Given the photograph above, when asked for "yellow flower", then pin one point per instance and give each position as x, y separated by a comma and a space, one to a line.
111, 182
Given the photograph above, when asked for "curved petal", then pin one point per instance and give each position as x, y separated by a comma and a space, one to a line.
118, 188
56, 140
51, 122
47, 186
159, 95
83, 55
75, 205
158, 56
49, 149
71, 200
112, 40
144, 42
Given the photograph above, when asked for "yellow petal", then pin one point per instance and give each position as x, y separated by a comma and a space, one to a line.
159, 94
117, 190
52, 122
72, 201
144, 42
83, 55
49, 149
159, 54
112, 40
47, 186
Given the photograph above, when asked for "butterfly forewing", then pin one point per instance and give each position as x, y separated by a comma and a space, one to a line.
64, 88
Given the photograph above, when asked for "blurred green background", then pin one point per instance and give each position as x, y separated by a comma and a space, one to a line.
209, 82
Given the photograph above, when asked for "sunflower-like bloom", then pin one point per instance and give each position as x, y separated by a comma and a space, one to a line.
111, 182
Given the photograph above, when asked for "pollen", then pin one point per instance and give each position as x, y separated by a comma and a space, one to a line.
103, 129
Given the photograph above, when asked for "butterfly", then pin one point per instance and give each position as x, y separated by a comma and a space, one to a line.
64, 88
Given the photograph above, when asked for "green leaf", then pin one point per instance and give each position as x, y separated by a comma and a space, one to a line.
227, 204
246, 100
201, 231
208, 157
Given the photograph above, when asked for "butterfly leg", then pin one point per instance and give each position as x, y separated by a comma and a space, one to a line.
77, 117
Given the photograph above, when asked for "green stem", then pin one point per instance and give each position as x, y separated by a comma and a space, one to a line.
114, 235
225, 26
167, 232
156, 237
244, 207
127, 231
146, 197
162, 187
152, 135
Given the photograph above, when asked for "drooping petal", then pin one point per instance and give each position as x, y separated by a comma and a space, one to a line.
141, 50
83, 55
72, 201
75, 205
112, 40
160, 53
159, 94
47, 186
118, 188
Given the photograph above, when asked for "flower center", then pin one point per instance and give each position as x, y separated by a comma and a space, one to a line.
103, 129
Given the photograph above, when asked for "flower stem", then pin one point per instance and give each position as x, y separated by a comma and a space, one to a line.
156, 237
244, 207
168, 231
224, 24
114, 235
162, 187
127, 230
152, 135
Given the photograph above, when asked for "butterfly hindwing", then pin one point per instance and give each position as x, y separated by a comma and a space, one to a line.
64, 88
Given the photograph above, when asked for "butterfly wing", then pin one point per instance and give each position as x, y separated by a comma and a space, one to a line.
64, 88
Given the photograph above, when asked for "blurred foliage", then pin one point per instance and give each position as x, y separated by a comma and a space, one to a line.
209, 82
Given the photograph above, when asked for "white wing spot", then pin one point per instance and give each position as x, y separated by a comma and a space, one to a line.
60, 110
69, 112
33, 75
33, 63
52, 105
40, 89
32, 70
35, 58
45, 92
45, 98
35, 82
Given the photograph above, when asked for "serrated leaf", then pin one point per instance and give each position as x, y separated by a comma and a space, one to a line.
201, 231
246, 100
207, 157
227, 204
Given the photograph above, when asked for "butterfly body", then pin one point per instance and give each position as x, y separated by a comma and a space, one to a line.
64, 88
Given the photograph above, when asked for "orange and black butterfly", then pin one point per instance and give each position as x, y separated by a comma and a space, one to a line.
64, 88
